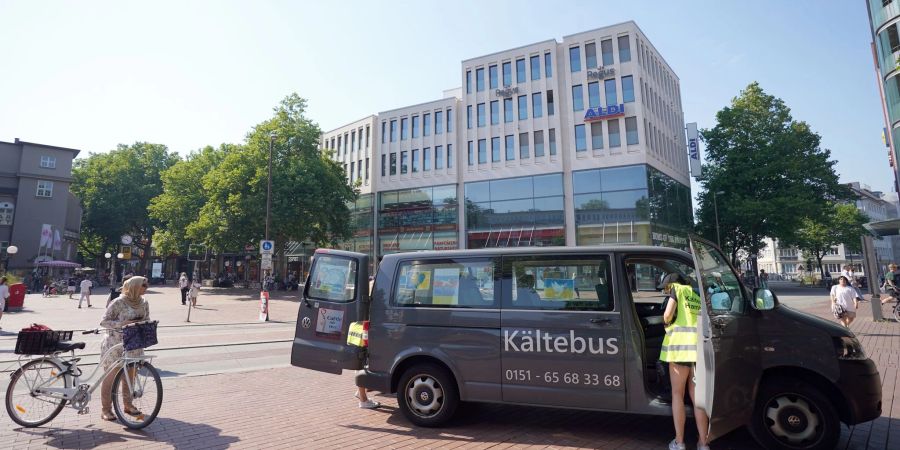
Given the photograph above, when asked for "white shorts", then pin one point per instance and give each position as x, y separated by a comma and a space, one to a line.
70, 289
2, 304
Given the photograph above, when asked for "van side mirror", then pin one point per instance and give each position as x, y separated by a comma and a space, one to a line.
763, 299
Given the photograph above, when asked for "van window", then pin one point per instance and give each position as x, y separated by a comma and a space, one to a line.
445, 284
333, 279
723, 290
554, 283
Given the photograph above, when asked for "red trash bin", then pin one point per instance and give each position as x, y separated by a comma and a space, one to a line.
16, 300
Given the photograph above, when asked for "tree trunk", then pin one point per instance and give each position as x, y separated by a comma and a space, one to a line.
819, 262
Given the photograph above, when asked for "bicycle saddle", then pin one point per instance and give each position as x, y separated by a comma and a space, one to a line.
69, 346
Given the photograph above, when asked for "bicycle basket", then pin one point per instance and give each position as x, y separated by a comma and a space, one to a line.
141, 335
40, 342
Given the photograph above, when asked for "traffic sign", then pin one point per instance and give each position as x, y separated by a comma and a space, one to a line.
266, 247
266, 264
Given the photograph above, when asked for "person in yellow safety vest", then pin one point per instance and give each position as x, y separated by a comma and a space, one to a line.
679, 349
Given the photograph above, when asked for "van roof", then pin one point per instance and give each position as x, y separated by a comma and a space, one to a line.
500, 251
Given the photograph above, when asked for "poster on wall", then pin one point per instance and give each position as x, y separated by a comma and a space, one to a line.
446, 286
157, 270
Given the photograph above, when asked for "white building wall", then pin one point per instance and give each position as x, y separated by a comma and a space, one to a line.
351, 144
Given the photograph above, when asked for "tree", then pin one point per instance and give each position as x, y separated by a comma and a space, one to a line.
771, 171
310, 191
115, 189
843, 224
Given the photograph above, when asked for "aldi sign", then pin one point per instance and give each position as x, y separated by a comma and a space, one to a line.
601, 113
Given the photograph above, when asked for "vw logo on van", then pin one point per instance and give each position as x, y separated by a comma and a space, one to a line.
306, 322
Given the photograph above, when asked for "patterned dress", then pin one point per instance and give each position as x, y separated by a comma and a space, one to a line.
118, 312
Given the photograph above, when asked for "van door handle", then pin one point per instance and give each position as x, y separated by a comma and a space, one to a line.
600, 320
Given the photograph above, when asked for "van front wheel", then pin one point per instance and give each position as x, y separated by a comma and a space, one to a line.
427, 395
792, 415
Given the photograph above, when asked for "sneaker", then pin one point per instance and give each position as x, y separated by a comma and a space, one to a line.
676, 445
702, 447
369, 404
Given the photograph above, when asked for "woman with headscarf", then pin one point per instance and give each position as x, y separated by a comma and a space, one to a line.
128, 308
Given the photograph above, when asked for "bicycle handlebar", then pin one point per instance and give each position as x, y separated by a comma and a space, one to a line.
98, 330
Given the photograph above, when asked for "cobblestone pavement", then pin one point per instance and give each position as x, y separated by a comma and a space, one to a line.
295, 408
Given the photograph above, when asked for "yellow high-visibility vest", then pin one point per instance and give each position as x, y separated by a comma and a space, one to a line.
680, 342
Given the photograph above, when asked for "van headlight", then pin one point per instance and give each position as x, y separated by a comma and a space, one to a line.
849, 348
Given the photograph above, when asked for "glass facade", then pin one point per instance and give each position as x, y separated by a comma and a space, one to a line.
361, 225
418, 219
513, 212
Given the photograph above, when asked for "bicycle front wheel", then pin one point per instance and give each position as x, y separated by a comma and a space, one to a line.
137, 394
30, 409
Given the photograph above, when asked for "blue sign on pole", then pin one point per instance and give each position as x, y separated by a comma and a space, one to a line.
266, 247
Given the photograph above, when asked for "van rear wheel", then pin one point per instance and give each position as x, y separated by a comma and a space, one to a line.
427, 395
792, 415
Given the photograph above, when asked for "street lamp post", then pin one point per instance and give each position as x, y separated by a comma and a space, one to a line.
716, 209
120, 256
272, 136
10, 251
112, 275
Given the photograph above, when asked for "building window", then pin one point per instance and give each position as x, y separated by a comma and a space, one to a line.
610, 87
631, 132
495, 112
481, 118
352, 169
624, 49
352, 140
339, 146
550, 108
471, 154
367, 135
575, 59
535, 68
893, 39
383, 134
426, 124
6, 213
415, 126
507, 74
449, 120
44, 188
404, 162
597, 135
479, 79
520, 70
538, 143
537, 109
468, 82
580, 144
367, 169
507, 110
438, 122
590, 55
495, 149
404, 128
548, 67
482, 151
393, 134
438, 157
593, 94
415, 160
577, 98
551, 139
523, 107
607, 52
469, 117
492, 76
628, 89
523, 146
450, 156
614, 140
510, 147
48, 162
393, 163
383, 165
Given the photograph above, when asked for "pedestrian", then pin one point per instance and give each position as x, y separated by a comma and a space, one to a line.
844, 301
679, 349
4, 294
70, 289
848, 272
184, 285
130, 307
763, 279
86, 286
364, 401
195, 290
889, 287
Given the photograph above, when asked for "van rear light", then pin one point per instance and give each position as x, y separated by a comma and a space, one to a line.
365, 338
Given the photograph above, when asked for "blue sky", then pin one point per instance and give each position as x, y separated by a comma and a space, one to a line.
90, 75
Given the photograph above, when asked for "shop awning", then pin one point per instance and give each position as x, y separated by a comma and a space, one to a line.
295, 248
58, 263
884, 228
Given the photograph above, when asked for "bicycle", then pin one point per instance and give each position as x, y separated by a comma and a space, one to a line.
39, 390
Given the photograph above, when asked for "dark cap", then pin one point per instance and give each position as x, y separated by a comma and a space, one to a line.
673, 278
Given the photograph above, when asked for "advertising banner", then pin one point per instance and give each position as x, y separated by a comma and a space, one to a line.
157, 270
693, 144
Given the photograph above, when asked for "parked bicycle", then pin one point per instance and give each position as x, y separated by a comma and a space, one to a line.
42, 386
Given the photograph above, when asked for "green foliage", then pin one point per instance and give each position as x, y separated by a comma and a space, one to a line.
115, 190
843, 224
771, 170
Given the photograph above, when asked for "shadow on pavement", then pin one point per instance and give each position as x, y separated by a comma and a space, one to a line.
162, 430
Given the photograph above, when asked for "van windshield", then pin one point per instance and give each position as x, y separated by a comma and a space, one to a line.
333, 279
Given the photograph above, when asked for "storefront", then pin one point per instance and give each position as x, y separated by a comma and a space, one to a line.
418, 219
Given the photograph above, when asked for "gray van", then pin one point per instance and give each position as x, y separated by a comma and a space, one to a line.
580, 327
